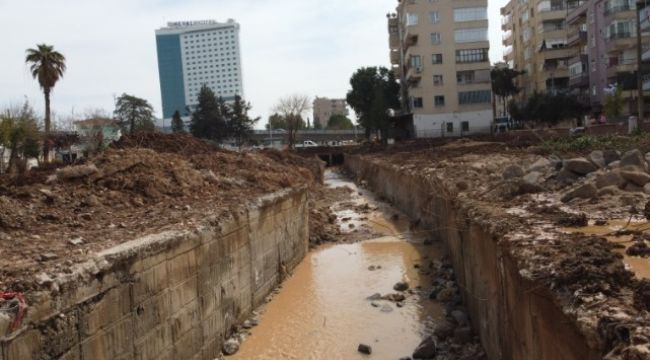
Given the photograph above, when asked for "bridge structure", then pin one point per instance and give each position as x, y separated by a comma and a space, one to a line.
323, 137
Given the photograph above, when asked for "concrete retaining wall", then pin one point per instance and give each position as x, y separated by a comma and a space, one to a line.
515, 318
173, 295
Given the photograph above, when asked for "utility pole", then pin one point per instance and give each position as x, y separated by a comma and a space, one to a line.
639, 63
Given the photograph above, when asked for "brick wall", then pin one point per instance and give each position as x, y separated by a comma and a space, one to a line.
173, 295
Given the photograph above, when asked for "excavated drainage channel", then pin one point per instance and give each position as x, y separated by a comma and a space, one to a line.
322, 310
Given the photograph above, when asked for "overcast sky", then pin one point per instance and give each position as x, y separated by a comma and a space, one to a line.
288, 46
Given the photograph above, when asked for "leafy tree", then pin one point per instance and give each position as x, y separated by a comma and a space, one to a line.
503, 83
548, 109
209, 119
317, 125
276, 121
19, 132
241, 125
291, 108
614, 103
47, 66
177, 123
135, 114
374, 91
339, 122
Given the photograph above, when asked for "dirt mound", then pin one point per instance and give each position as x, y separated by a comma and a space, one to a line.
314, 164
141, 187
182, 144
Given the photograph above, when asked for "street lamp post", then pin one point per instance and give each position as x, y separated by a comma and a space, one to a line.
639, 62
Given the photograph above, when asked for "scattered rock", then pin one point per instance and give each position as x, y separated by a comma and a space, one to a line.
601, 222
513, 171
566, 176
49, 256
638, 178
460, 317
444, 330
374, 304
374, 297
540, 165
580, 166
394, 297
426, 349
611, 178
609, 190
445, 295
364, 349
231, 346
634, 158
597, 157
401, 286
534, 177
462, 185
386, 308
463, 335
586, 191
611, 156
372, 268
43, 279
76, 241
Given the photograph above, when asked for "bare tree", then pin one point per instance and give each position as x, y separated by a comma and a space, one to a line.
292, 108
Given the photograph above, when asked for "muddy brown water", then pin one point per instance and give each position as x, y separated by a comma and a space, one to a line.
322, 310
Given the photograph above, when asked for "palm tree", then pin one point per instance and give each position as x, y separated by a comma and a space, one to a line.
47, 66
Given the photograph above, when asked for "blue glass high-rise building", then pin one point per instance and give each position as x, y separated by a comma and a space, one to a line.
196, 53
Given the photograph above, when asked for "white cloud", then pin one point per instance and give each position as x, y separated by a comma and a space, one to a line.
288, 46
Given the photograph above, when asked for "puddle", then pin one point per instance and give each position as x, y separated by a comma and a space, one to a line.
639, 265
322, 311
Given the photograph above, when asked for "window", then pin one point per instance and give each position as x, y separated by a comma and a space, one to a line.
411, 19
437, 80
465, 77
436, 58
435, 17
470, 35
464, 126
417, 103
474, 97
471, 55
435, 38
450, 127
416, 61
470, 14
439, 100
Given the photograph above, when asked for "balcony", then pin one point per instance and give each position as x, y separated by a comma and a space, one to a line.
556, 53
617, 66
646, 55
414, 75
577, 14
621, 41
395, 58
579, 81
619, 8
410, 40
646, 82
393, 41
577, 38
582, 58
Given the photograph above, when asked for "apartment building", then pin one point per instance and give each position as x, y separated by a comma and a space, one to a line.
439, 53
535, 40
324, 108
196, 53
593, 48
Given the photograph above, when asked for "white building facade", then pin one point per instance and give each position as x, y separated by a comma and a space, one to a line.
196, 53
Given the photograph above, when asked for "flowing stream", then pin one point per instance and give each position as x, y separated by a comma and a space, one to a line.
323, 312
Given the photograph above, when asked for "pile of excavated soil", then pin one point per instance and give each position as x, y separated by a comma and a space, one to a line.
146, 185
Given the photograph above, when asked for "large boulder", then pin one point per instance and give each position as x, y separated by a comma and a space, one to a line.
611, 156
635, 176
567, 177
611, 178
540, 165
513, 171
426, 349
634, 158
230, 347
609, 191
586, 191
580, 166
597, 157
